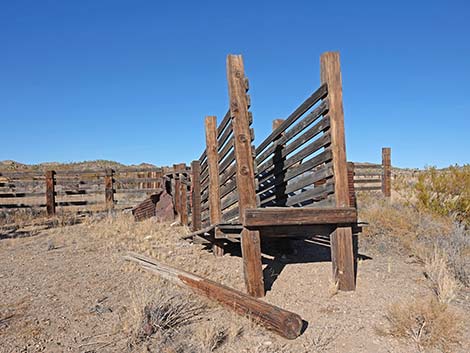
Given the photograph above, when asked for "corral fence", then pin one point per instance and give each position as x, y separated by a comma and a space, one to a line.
76, 190
370, 177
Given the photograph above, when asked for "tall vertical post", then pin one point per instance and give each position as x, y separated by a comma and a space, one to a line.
342, 253
352, 191
184, 197
387, 172
196, 195
50, 192
177, 190
109, 189
215, 212
245, 177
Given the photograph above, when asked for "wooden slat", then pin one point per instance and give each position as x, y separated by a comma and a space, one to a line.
317, 193
367, 166
304, 107
224, 137
225, 150
229, 200
22, 194
137, 180
230, 215
272, 216
368, 188
321, 125
250, 241
368, 181
311, 148
223, 124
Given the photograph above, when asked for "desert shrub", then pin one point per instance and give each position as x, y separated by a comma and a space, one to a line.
445, 192
426, 322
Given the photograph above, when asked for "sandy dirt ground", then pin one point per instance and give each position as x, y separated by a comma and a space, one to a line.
68, 289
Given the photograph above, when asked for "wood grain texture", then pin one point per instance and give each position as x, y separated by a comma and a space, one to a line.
250, 241
272, 216
341, 239
280, 321
196, 195
387, 172
214, 187
109, 189
50, 193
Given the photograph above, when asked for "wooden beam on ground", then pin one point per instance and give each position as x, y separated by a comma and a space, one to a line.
50, 193
215, 212
387, 172
196, 195
342, 252
272, 216
245, 176
283, 322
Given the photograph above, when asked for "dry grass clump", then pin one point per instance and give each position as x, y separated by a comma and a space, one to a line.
443, 283
428, 323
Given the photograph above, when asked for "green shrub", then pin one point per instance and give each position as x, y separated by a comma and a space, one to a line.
445, 192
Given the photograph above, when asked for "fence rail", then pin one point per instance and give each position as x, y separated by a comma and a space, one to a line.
370, 177
103, 189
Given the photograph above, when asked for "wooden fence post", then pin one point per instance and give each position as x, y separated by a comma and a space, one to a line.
342, 253
196, 195
50, 192
352, 191
214, 187
245, 176
176, 191
387, 172
109, 189
184, 197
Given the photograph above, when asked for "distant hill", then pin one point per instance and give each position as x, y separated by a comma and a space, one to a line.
97, 164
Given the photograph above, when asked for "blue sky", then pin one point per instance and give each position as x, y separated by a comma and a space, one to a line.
132, 81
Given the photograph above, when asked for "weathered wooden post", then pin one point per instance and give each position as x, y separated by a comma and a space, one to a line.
342, 253
184, 197
109, 189
386, 172
176, 190
215, 212
352, 191
50, 192
196, 195
250, 240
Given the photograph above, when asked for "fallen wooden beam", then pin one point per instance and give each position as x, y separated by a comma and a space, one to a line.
280, 321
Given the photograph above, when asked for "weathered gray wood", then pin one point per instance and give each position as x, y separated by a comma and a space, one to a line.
304, 107
316, 194
280, 321
250, 241
342, 252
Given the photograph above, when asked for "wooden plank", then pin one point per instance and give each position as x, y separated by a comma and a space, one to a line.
136, 191
387, 172
367, 166
280, 321
214, 192
250, 240
303, 108
226, 149
306, 151
368, 188
284, 216
224, 137
224, 123
196, 195
368, 181
109, 189
137, 180
229, 200
22, 205
21, 194
341, 239
50, 193
318, 127
316, 194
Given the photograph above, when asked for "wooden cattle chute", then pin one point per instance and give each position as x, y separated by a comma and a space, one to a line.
77, 189
374, 177
295, 182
